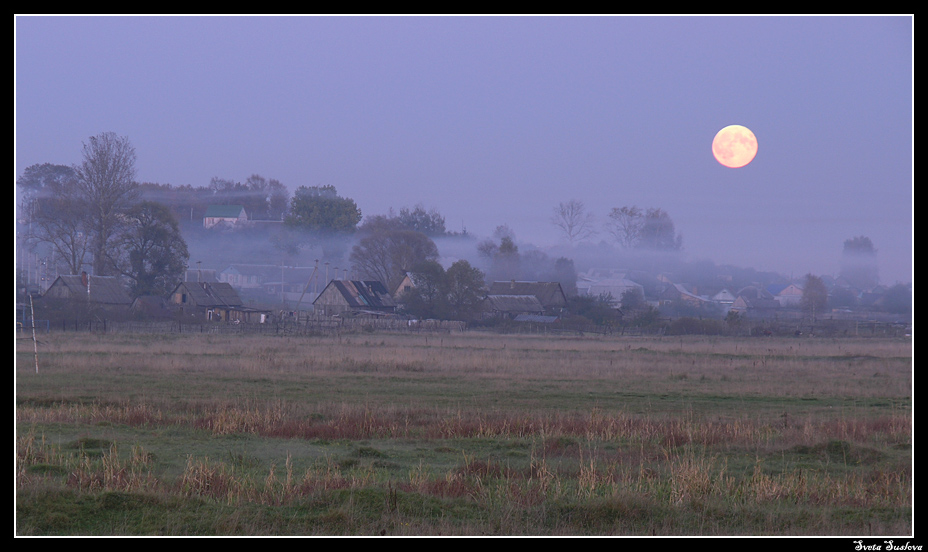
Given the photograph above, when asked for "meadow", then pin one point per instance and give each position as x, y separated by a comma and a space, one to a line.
463, 434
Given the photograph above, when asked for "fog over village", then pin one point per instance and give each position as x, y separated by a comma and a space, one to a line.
569, 150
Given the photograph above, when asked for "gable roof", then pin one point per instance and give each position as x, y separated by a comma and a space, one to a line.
361, 294
549, 294
99, 289
514, 304
210, 294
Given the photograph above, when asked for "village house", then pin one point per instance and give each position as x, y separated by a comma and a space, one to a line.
512, 306
615, 287
679, 295
224, 216
756, 301
217, 302
789, 295
550, 295
367, 297
724, 298
97, 291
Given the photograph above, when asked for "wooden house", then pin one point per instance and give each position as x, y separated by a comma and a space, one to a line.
341, 297
97, 290
214, 302
549, 294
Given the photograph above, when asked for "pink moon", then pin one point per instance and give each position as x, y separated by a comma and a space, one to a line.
734, 146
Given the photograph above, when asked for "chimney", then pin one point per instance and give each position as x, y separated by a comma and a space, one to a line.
84, 280
512, 284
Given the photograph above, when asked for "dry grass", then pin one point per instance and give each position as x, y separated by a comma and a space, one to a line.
627, 431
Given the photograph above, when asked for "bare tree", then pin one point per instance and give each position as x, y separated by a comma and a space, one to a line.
625, 225
573, 220
106, 182
386, 256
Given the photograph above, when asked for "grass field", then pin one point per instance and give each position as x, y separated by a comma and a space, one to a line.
463, 434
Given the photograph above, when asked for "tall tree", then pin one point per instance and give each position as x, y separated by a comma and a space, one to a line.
430, 222
658, 233
504, 259
465, 290
814, 297
625, 225
565, 273
859, 264
574, 221
106, 181
54, 213
387, 255
320, 209
152, 251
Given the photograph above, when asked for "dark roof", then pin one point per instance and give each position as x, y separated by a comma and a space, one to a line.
102, 289
363, 294
549, 294
211, 294
514, 304
538, 318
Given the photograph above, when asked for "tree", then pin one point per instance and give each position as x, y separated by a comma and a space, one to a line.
455, 294
387, 255
814, 296
625, 225
277, 198
633, 299
106, 182
41, 181
858, 263
598, 309
657, 232
565, 273
430, 223
153, 254
55, 214
322, 210
427, 298
898, 299
573, 220
465, 290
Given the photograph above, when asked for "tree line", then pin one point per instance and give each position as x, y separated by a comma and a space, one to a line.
93, 215
630, 227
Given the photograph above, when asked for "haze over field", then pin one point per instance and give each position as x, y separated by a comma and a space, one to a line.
497, 120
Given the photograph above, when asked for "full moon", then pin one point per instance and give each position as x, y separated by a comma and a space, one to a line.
734, 146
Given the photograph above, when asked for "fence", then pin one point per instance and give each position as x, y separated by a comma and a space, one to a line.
335, 326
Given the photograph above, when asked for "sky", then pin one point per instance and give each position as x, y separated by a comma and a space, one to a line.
496, 120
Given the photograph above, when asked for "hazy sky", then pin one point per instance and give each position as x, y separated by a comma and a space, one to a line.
496, 120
